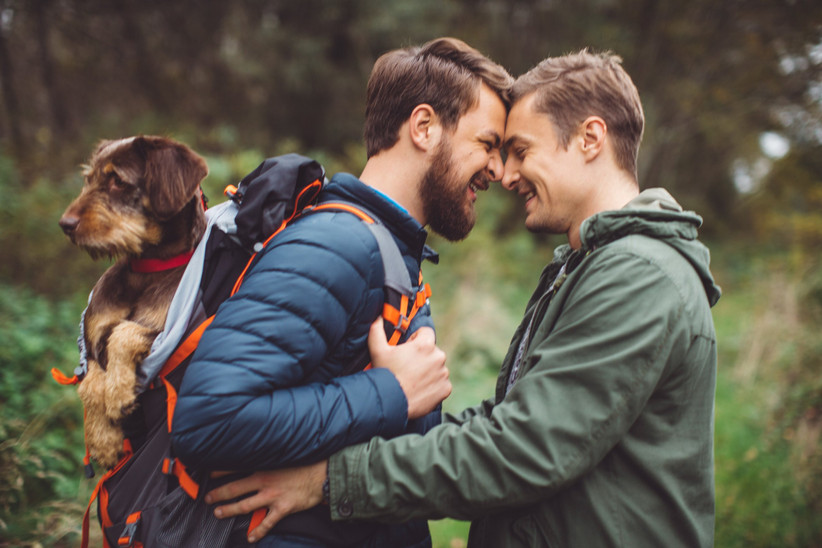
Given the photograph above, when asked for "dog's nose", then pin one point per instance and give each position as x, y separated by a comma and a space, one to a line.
68, 223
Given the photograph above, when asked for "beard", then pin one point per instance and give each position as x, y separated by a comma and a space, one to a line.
445, 202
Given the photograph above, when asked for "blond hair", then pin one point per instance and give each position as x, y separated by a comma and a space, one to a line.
573, 87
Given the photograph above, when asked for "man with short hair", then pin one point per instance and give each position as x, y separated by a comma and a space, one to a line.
270, 383
601, 429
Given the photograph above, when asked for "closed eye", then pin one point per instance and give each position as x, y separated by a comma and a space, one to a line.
117, 183
518, 152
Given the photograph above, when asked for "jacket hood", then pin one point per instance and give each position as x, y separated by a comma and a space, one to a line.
655, 213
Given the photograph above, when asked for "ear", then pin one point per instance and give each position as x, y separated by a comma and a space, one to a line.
592, 137
172, 174
424, 127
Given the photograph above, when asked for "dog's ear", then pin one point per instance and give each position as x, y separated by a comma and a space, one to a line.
172, 174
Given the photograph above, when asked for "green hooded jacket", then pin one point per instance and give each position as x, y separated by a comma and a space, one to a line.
606, 436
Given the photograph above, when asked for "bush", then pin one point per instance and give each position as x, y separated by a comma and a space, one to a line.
42, 448
769, 405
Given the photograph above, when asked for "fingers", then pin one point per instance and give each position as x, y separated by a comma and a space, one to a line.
424, 335
233, 489
377, 342
241, 507
268, 523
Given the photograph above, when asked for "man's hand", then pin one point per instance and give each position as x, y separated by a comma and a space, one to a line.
283, 492
418, 364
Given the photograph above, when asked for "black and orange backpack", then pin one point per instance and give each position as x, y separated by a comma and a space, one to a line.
150, 498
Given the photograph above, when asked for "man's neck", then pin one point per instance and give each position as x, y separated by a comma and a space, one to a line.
397, 178
620, 189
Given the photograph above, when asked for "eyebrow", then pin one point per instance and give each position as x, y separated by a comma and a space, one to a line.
512, 140
493, 136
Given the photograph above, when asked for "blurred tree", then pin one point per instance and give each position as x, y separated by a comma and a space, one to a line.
713, 75
787, 204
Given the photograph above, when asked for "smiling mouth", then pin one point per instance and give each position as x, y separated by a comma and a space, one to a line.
478, 183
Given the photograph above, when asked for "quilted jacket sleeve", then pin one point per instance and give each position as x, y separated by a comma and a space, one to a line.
248, 400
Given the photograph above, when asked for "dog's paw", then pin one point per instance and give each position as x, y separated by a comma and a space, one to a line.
120, 405
104, 439
92, 389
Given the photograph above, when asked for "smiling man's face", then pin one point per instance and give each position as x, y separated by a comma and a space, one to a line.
464, 162
544, 172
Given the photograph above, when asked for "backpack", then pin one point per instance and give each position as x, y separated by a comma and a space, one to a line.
150, 498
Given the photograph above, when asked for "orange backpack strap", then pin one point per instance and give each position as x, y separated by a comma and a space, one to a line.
186, 349
257, 518
341, 206
100, 491
402, 301
127, 536
62, 379
171, 465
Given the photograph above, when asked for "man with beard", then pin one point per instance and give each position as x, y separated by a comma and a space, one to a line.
600, 433
270, 385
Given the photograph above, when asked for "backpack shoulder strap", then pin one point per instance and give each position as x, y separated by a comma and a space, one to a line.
402, 299
396, 272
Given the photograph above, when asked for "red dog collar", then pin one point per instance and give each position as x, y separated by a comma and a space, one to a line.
158, 265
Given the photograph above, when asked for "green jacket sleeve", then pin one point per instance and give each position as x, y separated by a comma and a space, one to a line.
595, 357
484, 409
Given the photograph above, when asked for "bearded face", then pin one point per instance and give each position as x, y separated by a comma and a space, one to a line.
448, 199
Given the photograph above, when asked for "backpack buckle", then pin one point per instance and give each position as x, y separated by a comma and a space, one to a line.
168, 466
402, 324
127, 536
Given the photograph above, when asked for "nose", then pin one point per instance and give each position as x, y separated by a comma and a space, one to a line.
511, 175
495, 166
68, 223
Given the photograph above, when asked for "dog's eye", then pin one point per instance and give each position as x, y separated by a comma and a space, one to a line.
117, 182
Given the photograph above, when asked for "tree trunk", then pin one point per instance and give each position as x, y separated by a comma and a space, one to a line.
10, 102
55, 98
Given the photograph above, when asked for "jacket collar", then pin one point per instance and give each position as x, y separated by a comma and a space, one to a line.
344, 186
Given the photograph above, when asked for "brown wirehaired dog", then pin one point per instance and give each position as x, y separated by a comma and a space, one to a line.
141, 204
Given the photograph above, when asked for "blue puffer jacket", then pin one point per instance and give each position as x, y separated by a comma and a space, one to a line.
270, 385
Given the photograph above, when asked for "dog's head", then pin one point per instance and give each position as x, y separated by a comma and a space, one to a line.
132, 188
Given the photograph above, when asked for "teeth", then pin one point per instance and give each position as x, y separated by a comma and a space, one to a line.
473, 187
530, 195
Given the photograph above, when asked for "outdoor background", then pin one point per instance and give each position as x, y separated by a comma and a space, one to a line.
732, 92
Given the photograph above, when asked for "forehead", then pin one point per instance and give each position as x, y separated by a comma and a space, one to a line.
487, 116
526, 124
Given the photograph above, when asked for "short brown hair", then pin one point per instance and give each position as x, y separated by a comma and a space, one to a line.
445, 73
572, 87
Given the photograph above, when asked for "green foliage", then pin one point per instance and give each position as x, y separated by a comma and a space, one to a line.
243, 81
769, 398
35, 251
786, 208
41, 428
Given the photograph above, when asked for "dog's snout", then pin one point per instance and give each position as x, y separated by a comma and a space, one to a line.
69, 223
